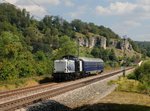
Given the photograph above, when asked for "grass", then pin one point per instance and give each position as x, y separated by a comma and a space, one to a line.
24, 82
129, 96
129, 85
129, 53
119, 101
32, 81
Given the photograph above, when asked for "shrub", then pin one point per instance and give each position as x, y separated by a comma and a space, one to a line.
125, 84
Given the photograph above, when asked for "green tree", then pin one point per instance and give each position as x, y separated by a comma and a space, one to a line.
43, 63
16, 60
67, 47
142, 73
112, 55
10, 45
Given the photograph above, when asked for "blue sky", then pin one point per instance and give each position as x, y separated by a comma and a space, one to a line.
125, 17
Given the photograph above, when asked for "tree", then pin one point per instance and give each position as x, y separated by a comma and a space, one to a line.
112, 55
67, 47
142, 73
43, 63
16, 61
10, 45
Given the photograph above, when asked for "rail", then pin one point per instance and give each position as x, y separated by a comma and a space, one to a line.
25, 101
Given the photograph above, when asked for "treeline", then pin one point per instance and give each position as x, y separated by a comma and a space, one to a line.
142, 74
145, 48
29, 46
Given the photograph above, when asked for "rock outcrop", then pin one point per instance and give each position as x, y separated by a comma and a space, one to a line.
120, 44
96, 40
92, 41
125, 44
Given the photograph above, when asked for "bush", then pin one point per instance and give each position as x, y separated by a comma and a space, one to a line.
142, 74
131, 76
125, 84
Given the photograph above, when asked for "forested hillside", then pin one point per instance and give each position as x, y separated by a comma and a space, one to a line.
29, 46
145, 47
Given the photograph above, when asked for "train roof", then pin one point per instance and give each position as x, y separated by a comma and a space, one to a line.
91, 59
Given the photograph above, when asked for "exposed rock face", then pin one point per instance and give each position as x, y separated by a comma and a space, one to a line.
125, 44
100, 41
90, 42
120, 44
103, 42
113, 43
83, 42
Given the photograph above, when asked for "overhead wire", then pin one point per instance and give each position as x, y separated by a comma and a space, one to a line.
40, 6
30, 12
38, 17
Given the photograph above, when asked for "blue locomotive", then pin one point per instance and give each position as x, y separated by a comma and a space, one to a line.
71, 67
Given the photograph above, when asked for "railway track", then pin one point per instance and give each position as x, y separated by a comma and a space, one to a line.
23, 90
41, 94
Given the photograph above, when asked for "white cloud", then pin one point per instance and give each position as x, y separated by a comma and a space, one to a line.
34, 9
125, 27
12, 1
68, 3
102, 10
117, 8
144, 2
143, 37
131, 23
51, 2
79, 12
40, 2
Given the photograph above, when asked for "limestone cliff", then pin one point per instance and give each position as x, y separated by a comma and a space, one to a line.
90, 40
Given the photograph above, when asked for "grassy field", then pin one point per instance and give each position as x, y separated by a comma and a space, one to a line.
128, 85
119, 101
130, 95
24, 82
32, 81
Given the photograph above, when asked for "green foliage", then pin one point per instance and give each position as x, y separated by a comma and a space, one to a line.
131, 76
28, 46
125, 84
26, 68
9, 13
16, 60
145, 48
67, 47
84, 28
106, 55
8, 70
142, 74
10, 45
43, 64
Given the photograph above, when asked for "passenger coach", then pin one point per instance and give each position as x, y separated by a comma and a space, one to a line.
92, 65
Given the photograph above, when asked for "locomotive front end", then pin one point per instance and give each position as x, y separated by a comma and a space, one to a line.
64, 66
63, 69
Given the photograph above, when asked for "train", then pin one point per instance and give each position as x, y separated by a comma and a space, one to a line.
70, 67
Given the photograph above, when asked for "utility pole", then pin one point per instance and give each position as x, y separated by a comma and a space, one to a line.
78, 48
124, 55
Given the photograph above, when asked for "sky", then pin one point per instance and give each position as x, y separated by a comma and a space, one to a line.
125, 17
